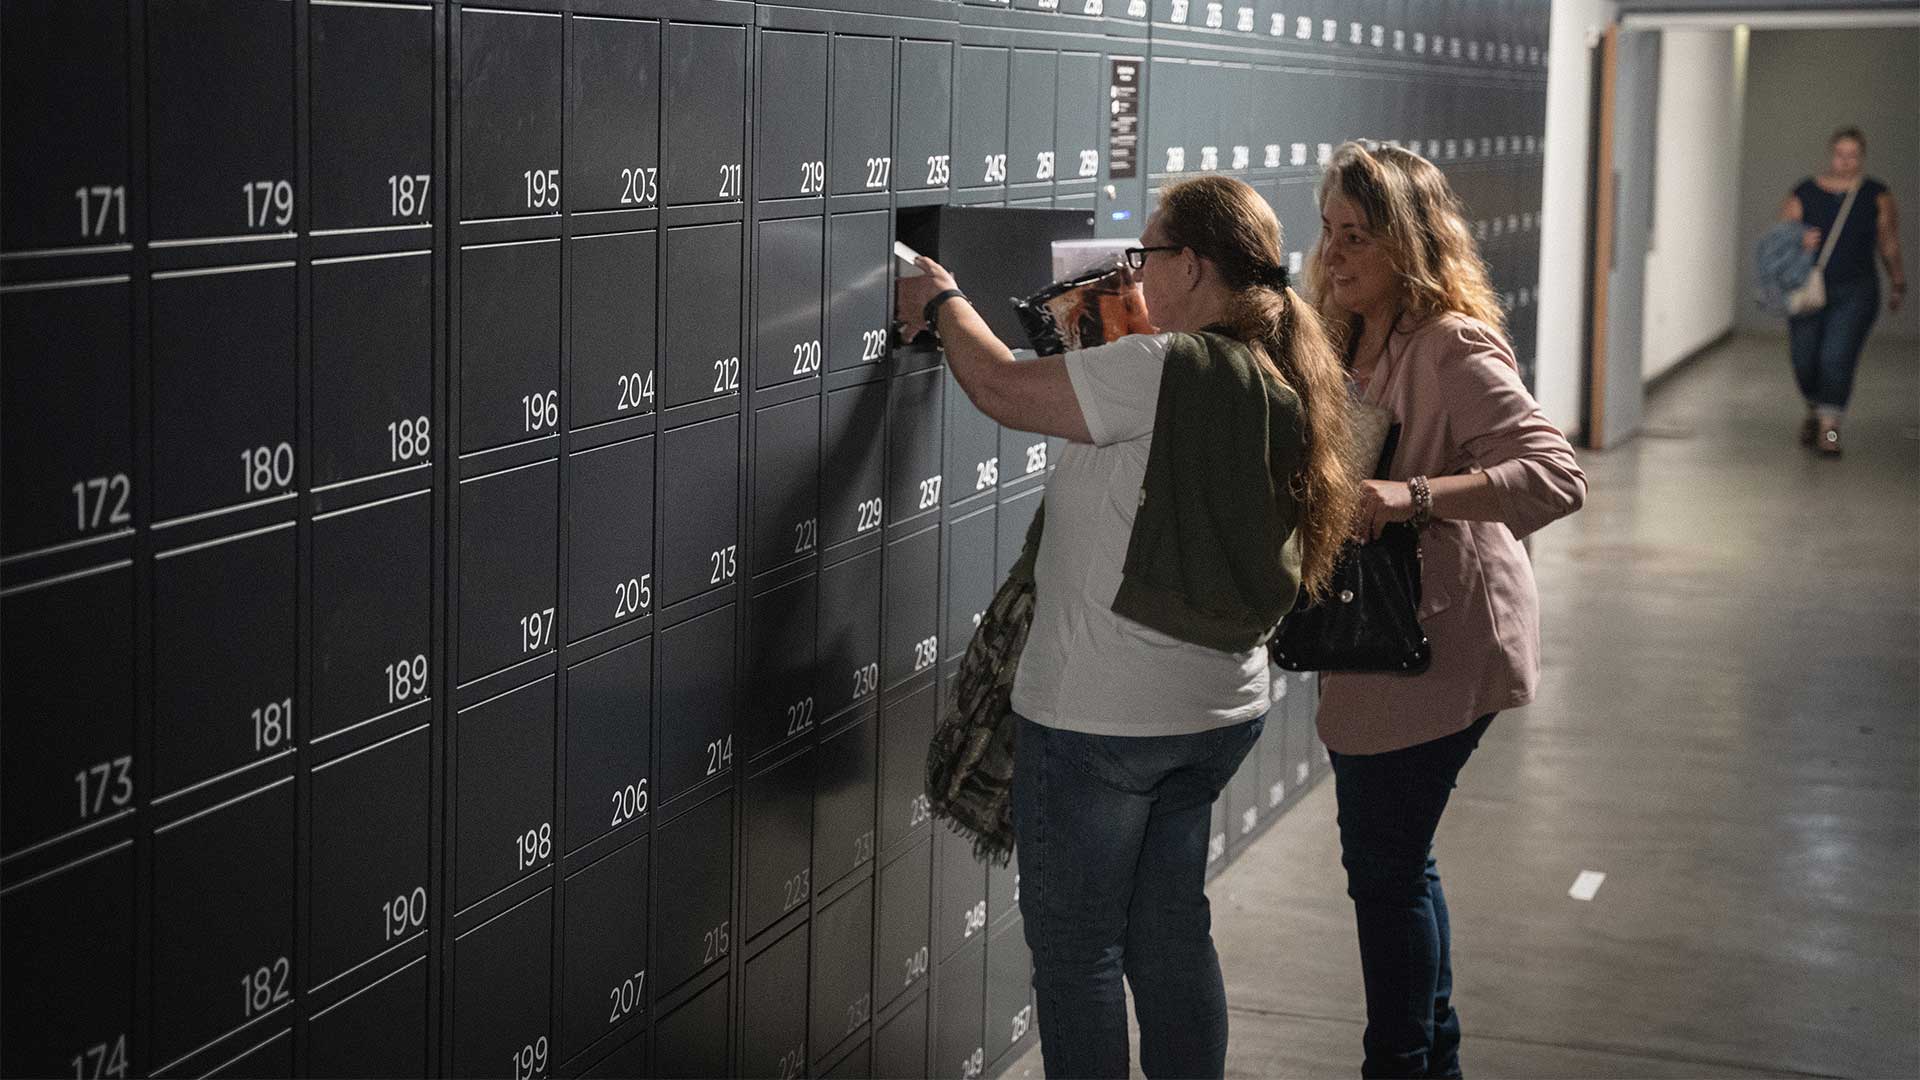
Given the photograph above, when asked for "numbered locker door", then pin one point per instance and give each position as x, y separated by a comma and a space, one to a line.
789, 281
852, 463
613, 94
906, 726
774, 1009
980, 117
509, 381
701, 351
508, 578
1078, 114
611, 326
970, 579
1166, 123
372, 363
502, 993
900, 1046
960, 915
779, 842
842, 990
781, 667
912, 634
222, 913
973, 462
699, 508
609, 536
959, 1012
697, 702
371, 96
223, 387
510, 114
75, 967
609, 743
901, 937
913, 463
372, 570
220, 119
503, 781
66, 400
65, 142
922, 154
371, 868
68, 698
849, 634
1009, 982
859, 293
693, 1039
844, 784
786, 483
694, 859
603, 969
862, 114
706, 113
1032, 156
793, 116
225, 667
380, 1029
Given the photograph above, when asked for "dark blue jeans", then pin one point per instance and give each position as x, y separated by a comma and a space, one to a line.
1826, 344
1390, 806
1113, 868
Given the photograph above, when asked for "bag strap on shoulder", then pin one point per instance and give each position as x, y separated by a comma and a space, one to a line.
1839, 222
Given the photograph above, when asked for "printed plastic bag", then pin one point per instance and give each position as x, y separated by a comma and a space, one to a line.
1101, 305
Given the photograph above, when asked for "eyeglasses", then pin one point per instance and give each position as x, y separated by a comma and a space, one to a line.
1137, 256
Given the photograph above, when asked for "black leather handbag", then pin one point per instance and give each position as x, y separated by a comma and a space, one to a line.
1368, 620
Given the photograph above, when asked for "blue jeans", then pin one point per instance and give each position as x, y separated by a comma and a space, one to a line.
1390, 806
1113, 865
1826, 344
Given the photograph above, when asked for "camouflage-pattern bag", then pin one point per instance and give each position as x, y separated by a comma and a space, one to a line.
970, 761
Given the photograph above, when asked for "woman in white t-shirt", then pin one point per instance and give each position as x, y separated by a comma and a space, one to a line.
1127, 735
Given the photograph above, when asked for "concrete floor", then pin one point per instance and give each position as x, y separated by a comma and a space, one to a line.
1728, 727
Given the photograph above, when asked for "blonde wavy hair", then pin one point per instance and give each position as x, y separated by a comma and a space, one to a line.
1411, 210
1228, 223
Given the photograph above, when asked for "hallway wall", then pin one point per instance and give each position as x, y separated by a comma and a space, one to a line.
1693, 258
1801, 85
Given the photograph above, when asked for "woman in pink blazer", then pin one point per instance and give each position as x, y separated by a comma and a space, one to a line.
1479, 466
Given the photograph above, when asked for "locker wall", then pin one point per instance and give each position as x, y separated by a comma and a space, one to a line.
545, 690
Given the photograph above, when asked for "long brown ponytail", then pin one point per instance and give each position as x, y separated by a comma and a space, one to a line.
1229, 223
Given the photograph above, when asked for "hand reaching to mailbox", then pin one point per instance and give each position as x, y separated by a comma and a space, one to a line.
912, 293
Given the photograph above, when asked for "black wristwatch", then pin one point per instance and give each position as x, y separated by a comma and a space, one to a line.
932, 310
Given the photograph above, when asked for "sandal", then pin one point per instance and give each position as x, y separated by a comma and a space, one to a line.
1828, 439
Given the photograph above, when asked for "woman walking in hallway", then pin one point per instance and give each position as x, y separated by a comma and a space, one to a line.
1477, 466
1826, 344
1203, 484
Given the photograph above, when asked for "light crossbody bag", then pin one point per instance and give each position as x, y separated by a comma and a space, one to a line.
1811, 296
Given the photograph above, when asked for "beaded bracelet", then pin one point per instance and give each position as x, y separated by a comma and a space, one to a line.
1422, 501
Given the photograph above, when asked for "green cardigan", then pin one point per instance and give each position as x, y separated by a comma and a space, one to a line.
1214, 556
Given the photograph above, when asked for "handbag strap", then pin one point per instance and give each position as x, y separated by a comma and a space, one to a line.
1840, 222
1386, 452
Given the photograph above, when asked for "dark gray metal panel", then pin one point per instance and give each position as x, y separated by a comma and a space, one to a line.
774, 1009
75, 965
613, 95
510, 114
791, 161
69, 658
503, 792
371, 853
706, 108
609, 536
609, 742
228, 608
501, 991
66, 403
603, 958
